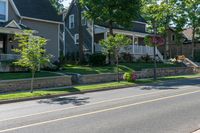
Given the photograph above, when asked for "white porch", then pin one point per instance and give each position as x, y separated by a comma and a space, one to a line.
137, 49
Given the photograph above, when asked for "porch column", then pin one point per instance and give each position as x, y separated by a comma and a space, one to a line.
105, 35
133, 44
93, 33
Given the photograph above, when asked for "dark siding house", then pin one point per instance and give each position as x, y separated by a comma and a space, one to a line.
91, 41
37, 15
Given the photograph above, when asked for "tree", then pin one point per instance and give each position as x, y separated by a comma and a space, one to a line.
80, 31
120, 12
57, 4
179, 22
159, 15
33, 54
113, 44
191, 9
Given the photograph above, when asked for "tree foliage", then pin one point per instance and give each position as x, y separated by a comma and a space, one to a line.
33, 54
121, 12
57, 4
113, 44
191, 12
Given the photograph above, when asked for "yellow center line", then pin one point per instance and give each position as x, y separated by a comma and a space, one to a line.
100, 102
98, 111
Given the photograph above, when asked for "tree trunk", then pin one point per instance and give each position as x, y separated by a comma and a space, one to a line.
112, 34
154, 53
165, 45
32, 80
181, 48
80, 31
117, 62
193, 42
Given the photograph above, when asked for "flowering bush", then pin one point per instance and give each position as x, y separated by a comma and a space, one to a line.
130, 76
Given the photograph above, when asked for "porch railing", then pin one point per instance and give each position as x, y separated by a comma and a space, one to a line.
142, 50
9, 57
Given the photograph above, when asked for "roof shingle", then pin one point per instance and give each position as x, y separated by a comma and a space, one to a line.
39, 9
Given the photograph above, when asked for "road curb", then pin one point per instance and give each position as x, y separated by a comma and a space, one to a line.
67, 94
82, 92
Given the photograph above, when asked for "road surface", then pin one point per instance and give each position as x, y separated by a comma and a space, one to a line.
169, 107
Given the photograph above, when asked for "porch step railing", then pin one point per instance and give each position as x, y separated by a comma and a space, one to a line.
9, 57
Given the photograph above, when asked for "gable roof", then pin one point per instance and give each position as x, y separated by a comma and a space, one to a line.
188, 33
38, 9
14, 25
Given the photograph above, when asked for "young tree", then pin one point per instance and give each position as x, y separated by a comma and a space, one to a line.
113, 44
33, 54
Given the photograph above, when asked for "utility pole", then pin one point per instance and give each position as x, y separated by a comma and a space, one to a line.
154, 52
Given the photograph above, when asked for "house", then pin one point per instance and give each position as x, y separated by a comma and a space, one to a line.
92, 36
184, 47
37, 15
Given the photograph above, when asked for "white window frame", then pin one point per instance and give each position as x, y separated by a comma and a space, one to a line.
6, 2
71, 21
83, 19
76, 39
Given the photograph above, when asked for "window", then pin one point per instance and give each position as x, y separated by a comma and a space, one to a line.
83, 19
71, 21
3, 10
173, 37
76, 38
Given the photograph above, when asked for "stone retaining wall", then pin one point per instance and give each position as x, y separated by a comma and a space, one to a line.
146, 73
24, 84
161, 72
60, 81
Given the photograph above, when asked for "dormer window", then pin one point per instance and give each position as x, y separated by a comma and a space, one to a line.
3, 10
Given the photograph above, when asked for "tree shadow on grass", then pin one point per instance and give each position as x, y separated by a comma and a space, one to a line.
66, 100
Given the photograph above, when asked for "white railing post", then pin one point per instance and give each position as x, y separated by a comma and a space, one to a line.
133, 48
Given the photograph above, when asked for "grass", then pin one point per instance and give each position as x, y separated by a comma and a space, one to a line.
124, 67
23, 75
83, 88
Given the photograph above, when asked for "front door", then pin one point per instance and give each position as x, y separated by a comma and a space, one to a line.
2, 44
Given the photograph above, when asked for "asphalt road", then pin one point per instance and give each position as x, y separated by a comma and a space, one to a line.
169, 107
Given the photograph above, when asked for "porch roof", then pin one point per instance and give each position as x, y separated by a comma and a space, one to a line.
11, 27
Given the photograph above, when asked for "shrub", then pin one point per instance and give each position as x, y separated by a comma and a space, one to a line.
127, 57
130, 76
97, 59
145, 59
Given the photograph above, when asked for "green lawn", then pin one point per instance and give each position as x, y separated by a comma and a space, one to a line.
124, 67
83, 88
22, 75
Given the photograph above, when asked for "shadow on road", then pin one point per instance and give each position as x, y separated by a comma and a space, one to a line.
66, 100
173, 84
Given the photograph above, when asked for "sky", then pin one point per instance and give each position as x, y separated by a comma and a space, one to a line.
66, 3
